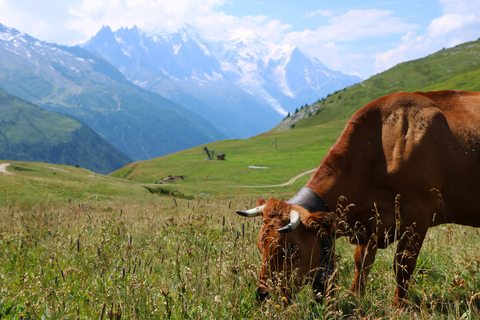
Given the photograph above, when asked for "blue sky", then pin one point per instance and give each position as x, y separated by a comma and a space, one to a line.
361, 38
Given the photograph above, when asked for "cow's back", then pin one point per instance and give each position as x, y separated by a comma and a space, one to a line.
435, 147
424, 147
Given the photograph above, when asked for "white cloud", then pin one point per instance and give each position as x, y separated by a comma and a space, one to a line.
42, 19
75, 21
148, 15
460, 6
459, 23
413, 46
322, 13
331, 42
357, 24
458, 27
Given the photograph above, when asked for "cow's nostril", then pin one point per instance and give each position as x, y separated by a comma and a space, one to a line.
262, 294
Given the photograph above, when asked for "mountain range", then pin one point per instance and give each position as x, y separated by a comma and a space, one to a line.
154, 94
83, 85
243, 84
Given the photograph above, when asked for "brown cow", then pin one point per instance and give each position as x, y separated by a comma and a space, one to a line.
405, 162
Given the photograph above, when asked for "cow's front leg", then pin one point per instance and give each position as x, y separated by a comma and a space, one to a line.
364, 258
408, 249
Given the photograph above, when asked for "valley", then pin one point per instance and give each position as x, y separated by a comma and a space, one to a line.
33, 182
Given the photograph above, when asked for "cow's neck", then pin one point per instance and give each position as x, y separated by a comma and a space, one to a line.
349, 164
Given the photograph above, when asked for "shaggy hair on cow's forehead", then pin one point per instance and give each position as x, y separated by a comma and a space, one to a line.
276, 208
276, 213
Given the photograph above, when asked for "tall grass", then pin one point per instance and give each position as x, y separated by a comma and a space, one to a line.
170, 258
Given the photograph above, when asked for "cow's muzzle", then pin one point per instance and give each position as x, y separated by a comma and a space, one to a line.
262, 294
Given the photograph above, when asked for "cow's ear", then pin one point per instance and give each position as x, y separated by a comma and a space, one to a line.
261, 202
323, 222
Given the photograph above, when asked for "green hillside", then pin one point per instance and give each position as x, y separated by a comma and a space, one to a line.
281, 155
27, 184
29, 133
457, 68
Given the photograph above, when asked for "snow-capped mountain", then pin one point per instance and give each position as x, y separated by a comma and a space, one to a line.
169, 54
243, 84
179, 67
282, 76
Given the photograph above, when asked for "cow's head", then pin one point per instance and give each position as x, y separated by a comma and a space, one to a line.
294, 244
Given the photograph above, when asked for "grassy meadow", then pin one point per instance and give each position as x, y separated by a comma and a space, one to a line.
78, 245
170, 258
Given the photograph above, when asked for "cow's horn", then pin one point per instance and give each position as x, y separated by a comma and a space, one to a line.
294, 222
258, 211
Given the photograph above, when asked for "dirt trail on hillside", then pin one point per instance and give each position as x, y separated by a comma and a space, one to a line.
3, 169
280, 185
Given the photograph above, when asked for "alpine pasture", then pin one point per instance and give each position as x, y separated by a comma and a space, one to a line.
78, 245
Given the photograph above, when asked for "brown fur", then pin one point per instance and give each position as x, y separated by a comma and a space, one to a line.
407, 161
